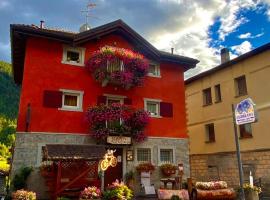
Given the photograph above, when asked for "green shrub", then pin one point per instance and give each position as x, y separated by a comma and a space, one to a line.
19, 180
117, 191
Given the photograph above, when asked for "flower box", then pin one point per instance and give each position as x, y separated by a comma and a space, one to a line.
104, 121
118, 66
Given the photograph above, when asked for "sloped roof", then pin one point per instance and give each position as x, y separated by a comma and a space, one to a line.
19, 34
56, 152
229, 63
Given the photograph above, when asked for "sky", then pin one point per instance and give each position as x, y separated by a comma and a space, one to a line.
194, 28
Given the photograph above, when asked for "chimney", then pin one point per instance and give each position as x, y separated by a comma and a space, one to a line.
172, 50
42, 24
224, 55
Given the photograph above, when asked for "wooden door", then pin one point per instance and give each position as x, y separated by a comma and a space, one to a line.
113, 173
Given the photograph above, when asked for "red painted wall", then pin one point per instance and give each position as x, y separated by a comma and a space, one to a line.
43, 70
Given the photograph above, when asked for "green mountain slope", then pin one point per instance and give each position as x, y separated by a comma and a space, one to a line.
9, 101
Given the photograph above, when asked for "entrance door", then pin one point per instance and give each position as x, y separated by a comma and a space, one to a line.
113, 173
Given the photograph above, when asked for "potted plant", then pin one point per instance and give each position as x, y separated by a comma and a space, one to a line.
90, 193
145, 167
117, 191
23, 195
168, 169
46, 169
251, 192
130, 178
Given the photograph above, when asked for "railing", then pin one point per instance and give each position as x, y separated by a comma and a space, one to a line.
116, 65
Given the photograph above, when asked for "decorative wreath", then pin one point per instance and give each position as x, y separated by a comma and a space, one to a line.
117, 119
118, 66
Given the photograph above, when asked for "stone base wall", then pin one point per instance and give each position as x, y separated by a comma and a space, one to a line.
224, 166
28, 146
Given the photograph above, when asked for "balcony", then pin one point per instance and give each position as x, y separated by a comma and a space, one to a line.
117, 120
118, 66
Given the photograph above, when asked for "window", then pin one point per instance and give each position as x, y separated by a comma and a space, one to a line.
154, 70
207, 97
73, 56
210, 133
217, 93
166, 156
245, 131
153, 107
72, 100
111, 100
144, 155
116, 65
240, 86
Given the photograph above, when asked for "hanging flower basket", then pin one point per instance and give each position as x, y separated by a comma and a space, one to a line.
117, 119
118, 66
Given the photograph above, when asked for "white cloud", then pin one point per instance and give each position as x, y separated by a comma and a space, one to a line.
248, 35
242, 48
244, 36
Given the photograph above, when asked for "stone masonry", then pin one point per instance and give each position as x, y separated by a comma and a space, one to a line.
28, 146
224, 166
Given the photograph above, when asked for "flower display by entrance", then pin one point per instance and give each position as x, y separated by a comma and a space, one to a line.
117, 119
118, 66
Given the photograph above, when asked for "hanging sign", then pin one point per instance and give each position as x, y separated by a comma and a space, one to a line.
245, 112
118, 140
109, 160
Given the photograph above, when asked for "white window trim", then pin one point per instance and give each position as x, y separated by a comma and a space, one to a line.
80, 50
79, 107
153, 100
166, 147
136, 157
157, 69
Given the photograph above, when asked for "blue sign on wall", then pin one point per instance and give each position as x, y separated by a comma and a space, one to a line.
245, 112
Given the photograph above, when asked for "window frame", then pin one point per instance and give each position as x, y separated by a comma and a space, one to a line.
157, 101
205, 103
157, 70
79, 94
236, 86
166, 148
151, 155
79, 50
217, 89
244, 135
207, 133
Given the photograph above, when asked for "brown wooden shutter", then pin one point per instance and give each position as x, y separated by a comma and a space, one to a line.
127, 101
52, 99
101, 100
166, 109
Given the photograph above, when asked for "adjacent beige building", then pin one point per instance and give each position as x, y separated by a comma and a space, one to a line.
209, 99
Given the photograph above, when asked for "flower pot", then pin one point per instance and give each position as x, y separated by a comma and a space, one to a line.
251, 195
168, 172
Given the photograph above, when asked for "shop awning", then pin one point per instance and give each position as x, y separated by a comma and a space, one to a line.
54, 152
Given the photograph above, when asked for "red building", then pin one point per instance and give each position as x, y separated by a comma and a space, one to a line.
57, 90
